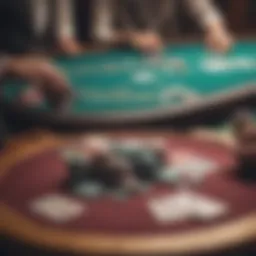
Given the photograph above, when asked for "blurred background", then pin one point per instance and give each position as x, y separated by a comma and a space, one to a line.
51, 19
239, 14
73, 26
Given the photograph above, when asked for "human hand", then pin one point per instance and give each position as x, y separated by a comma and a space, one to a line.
219, 39
39, 72
69, 46
148, 42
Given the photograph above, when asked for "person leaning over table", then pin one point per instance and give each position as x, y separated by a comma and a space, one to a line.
19, 56
142, 20
57, 18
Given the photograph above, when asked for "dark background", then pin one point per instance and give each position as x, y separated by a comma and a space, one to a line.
240, 16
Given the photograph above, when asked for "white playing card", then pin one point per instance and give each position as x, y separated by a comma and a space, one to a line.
208, 209
57, 208
186, 206
171, 208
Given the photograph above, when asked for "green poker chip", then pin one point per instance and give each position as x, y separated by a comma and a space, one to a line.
88, 189
169, 175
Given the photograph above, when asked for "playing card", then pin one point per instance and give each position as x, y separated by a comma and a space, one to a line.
57, 208
206, 208
171, 208
185, 206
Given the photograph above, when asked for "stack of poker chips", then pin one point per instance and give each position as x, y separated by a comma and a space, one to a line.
78, 167
145, 161
121, 167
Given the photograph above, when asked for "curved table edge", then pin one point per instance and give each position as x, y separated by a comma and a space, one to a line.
203, 240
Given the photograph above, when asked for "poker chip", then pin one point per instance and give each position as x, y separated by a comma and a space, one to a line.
169, 175
123, 193
88, 189
131, 144
146, 164
156, 143
72, 155
119, 194
96, 144
141, 161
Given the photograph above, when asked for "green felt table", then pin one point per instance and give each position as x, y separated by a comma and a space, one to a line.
124, 86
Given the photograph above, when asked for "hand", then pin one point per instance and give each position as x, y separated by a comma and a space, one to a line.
219, 39
39, 72
147, 42
69, 46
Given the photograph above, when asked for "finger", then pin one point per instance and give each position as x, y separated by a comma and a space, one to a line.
56, 80
31, 97
151, 47
56, 88
214, 44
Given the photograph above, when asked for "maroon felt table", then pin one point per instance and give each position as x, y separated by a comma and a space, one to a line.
32, 168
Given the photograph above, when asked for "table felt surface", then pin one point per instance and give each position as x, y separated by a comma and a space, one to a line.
121, 81
37, 152
129, 216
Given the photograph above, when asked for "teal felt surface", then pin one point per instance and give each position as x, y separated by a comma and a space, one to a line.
121, 81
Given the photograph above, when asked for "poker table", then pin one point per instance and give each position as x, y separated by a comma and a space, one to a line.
185, 84
31, 171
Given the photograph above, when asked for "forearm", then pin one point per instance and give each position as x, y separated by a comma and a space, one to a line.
39, 10
206, 13
102, 29
65, 19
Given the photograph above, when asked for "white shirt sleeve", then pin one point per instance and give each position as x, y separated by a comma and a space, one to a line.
65, 19
102, 29
39, 10
205, 12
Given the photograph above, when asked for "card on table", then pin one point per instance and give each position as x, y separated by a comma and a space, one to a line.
185, 206
57, 208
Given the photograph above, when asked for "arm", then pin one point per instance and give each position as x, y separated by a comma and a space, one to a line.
217, 36
103, 23
65, 19
102, 29
16, 44
205, 12
39, 13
